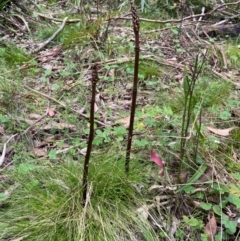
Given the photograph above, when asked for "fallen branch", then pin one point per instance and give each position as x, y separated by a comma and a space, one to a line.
201, 15
182, 19
44, 44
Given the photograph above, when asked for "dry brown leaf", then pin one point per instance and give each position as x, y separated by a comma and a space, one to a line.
112, 73
196, 204
183, 177
207, 176
143, 212
236, 112
221, 132
50, 54
40, 152
46, 66
51, 112
34, 116
95, 107
235, 156
52, 138
40, 144
211, 228
2, 132
125, 121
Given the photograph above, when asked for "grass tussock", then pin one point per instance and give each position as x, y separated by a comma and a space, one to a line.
47, 203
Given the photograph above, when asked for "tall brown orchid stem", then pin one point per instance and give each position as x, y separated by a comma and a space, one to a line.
136, 27
91, 134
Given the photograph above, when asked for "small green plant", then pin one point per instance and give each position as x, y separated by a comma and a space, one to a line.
233, 52
188, 87
193, 222
12, 55
3, 4
102, 136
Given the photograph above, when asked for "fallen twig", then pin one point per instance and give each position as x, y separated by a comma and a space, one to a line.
35, 122
119, 60
150, 20
63, 105
4, 149
44, 44
182, 19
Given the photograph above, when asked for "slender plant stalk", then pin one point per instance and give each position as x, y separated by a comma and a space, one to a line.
91, 134
189, 85
198, 133
136, 27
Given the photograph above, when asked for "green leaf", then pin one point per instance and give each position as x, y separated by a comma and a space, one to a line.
217, 210
25, 167
193, 222
55, 86
199, 160
185, 219
186, 86
224, 202
98, 141
206, 206
220, 188
76, 141
231, 226
141, 143
237, 175
221, 236
3, 119
234, 200
225, 115
48, 72
189, 189
1, 195
175, 31
204, 237
52, 154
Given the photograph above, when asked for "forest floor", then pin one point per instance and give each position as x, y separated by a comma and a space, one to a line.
184, 179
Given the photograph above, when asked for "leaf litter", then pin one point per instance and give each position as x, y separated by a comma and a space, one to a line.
53, 59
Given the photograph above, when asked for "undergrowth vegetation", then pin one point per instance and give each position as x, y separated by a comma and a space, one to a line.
48, 203
184, 174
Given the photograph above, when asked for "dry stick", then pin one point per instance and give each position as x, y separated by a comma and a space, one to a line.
91, 134
119, 60
136, 27
44, 44
2, 157
150, 20
62, 104
38, 120
183, 19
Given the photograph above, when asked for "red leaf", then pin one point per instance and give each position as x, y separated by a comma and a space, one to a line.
154, 157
